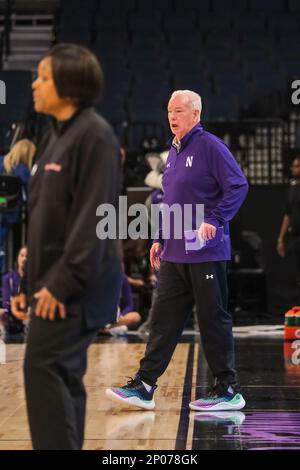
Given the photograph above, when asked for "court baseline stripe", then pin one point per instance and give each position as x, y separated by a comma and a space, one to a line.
183, 426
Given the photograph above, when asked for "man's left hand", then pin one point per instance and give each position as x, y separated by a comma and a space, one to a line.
207, 231
47, 304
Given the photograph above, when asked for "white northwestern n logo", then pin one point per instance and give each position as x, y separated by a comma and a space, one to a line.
189, 161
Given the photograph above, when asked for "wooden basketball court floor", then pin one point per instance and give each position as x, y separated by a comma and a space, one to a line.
269, 377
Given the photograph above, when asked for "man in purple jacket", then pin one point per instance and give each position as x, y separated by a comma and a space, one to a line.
200, 170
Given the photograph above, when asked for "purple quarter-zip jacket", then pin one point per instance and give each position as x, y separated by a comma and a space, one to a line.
204, 172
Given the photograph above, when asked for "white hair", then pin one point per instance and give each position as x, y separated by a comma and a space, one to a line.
193, 98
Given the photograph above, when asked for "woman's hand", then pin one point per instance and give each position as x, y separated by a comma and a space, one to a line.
47, 304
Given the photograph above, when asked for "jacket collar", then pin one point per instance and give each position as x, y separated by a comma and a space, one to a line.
59, 127
197, 129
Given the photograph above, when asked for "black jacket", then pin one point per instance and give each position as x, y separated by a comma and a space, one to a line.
77, 168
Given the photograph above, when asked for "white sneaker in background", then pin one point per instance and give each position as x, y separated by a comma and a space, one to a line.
118, 330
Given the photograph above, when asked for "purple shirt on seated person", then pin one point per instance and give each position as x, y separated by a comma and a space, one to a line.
126, 300
10, 288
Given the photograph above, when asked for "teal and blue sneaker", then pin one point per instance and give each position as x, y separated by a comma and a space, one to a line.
221, 398
133, 393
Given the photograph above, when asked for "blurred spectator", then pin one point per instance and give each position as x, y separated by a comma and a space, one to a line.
291, 219
127, 317
157, 163
140, 274
18, 163
14, 324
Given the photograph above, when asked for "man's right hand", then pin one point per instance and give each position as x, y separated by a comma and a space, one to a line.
155, 253
18, 307
281, 248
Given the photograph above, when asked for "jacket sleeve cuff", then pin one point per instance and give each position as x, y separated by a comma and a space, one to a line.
60, 287
213, 221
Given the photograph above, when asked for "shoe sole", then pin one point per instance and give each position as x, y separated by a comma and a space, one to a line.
132, 401
219, 406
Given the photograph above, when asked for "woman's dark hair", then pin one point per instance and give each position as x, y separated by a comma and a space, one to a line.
77, 73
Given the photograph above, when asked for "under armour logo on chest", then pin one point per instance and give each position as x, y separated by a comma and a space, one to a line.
209, 276
189, 161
